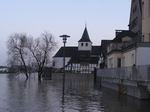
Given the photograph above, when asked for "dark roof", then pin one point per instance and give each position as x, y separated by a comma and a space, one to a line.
69, 52
80, 56
85, 37
104, 44
140, 3
123, 33
72, 51
96, 50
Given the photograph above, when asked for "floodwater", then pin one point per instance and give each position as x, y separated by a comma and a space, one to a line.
19, 95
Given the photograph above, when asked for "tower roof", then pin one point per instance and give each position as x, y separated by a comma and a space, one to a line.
85, 37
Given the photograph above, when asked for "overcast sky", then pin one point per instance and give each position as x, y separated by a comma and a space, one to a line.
102, 17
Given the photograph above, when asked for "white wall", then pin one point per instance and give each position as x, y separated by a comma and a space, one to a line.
84, 47
138, 56
129, 58
143, 56
146, 20
113, 57
59, 62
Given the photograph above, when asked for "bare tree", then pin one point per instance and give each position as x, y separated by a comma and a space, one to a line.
41, 49
17, 51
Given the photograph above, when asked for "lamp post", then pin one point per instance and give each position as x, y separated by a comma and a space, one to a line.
101, 58
64, 38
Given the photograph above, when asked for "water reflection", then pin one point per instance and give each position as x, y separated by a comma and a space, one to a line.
18, 95
81, 96
114, 103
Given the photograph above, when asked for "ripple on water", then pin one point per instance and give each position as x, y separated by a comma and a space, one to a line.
18, 95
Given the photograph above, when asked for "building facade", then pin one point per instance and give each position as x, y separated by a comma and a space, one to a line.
132, 47
82, 58
120, 51
135, 22
145, 4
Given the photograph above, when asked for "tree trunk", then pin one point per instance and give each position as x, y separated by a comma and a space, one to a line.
26, 76
24, 64
39, 75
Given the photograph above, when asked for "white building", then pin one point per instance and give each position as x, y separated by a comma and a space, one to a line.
123, 51
132, 47
82, 58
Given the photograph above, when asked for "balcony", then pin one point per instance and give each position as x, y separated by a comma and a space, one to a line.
118, 46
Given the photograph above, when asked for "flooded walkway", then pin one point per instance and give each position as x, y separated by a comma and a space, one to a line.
18, 95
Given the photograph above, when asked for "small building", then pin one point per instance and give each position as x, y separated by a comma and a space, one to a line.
125, 51
120, 51
104, 44
128, 55
132, 47
82, 58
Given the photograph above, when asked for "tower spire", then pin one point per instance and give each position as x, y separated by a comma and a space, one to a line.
85, 37
85, 24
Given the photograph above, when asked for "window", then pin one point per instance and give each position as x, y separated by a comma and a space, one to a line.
110, 61
134, 23
133, 59
119, 62
142, 38
142, 10
134, 9
81, 44
86, 44
149, 37
149, 8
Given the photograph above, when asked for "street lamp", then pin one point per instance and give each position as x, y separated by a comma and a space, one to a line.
101, 59
64, 38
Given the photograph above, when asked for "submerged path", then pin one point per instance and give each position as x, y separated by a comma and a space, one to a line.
18, 95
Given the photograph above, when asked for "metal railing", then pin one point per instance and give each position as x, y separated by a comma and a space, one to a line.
135, 73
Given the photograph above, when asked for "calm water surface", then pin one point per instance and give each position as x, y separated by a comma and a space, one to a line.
18, 95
